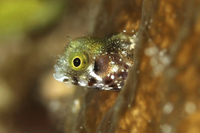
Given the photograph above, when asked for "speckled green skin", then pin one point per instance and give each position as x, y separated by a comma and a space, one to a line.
108, 62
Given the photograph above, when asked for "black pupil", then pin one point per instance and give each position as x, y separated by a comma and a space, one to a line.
77, 62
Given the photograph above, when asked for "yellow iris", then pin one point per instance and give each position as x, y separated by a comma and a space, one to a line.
78, 61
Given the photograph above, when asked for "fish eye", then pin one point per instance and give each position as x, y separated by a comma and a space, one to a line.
78, 61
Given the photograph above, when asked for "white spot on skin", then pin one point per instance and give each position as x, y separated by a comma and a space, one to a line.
95, 76
107, 88
122, 70
123, 52
83, 82
129, 64
100, 85
115, 69
123, 45
112, 62
190, 107
73, 81
124, 30
132, 45
116, 81
167, 109
110, 88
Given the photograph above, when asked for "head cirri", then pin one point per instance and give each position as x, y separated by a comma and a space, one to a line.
92, 62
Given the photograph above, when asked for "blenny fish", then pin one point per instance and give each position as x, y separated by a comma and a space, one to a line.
93, 62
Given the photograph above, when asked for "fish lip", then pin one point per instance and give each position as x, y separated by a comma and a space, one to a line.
60, 77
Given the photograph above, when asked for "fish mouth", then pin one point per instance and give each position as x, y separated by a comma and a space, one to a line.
61, 77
